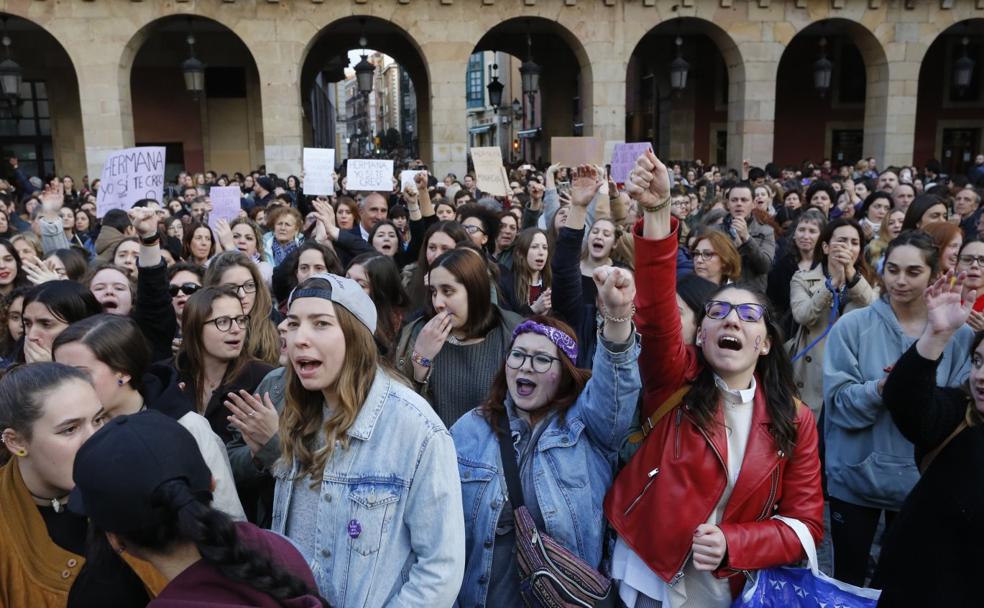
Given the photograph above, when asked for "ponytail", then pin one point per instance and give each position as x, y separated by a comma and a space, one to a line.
215, 537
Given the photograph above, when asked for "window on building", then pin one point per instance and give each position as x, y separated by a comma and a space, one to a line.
846, 146
476, 82
26, 131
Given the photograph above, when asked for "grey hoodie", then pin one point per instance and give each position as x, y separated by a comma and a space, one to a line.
869, 463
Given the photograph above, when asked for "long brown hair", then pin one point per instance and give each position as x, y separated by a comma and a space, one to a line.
191, 358
189, 235
521, 270
470, 269
572, 381
262, 340
304, 418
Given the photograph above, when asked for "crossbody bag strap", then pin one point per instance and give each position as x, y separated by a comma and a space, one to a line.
932, 454
509, 467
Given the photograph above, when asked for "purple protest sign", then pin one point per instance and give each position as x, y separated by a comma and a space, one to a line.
624, 157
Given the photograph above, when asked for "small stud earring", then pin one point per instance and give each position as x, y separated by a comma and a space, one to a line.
119, 381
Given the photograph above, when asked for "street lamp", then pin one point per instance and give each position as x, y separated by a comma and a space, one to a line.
364, 70
192, 68
822, 69
679, 68
495, 90
516, 108
963, 70
10, 72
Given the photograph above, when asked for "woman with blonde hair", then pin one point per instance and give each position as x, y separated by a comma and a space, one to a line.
234, 270
361, 450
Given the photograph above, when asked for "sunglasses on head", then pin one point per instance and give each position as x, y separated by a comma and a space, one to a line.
185, 288
749, 312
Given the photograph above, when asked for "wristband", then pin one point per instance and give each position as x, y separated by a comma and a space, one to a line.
657, 207
420, 360
151, 240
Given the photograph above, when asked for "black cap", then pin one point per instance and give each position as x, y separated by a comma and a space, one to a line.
120, 467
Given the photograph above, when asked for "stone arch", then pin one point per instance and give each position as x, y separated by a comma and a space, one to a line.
222, 130
48, 106
949, 124
325, 56
843, 115
563, 105
694, 125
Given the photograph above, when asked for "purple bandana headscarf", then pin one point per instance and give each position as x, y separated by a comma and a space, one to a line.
564, 342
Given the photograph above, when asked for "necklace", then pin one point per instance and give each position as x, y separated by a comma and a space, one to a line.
453, 340
56, 503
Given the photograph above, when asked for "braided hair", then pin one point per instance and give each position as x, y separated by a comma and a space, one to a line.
189, 519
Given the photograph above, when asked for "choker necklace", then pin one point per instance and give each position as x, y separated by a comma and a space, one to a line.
453, 340
56, 503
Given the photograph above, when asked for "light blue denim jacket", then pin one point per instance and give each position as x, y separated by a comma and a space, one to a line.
573, 464
399, 481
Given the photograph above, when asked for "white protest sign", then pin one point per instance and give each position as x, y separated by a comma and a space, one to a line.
225, 204
488, 170
407, 179
319, 164
369, 175
128, 176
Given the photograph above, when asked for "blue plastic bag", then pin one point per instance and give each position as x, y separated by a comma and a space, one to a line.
787, 587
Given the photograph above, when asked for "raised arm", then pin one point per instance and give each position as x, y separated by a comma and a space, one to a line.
665, 361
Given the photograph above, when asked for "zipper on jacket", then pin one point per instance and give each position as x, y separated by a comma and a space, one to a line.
652, 477
676, 437
713, 448
774, 487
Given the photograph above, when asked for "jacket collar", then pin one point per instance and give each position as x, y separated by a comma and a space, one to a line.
556, 434
372, 407
25, 536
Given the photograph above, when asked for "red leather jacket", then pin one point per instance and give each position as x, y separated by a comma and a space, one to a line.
677, 477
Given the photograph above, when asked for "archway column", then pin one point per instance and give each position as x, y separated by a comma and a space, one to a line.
752, 104
447, 140
890, 110
603, 102
278, 63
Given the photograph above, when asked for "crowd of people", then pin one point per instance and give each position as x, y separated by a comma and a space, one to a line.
391, 398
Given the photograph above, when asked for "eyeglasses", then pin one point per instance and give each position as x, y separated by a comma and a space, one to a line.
225, 323
185, 288
247, 287
704, 255
541, 363
970, 259
749, 312
471, 229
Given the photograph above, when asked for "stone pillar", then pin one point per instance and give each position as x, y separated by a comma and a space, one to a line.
603, 95
752, 105
444, 132
104, 96
890, 103
279, 68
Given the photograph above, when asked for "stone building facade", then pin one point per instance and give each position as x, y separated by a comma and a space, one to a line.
86, 50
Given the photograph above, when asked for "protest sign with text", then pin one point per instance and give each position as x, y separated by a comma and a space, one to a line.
128, 176
369, 175
319, 164
624, 158
488, 170
225, 204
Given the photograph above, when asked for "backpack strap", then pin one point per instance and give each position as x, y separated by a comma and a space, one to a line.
649, 423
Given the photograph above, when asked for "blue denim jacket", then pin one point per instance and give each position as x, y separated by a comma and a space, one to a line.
398, 481
573, 464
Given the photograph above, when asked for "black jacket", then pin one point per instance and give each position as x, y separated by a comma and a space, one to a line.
932, 552
153, 311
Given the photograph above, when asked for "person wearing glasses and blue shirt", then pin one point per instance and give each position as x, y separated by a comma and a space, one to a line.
565, 426
727, 447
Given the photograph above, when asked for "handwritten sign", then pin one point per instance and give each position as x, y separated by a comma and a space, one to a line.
128, 176
407, 179
225, 204
574, 151
369, 175
319, 164
624, 158
488, 170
